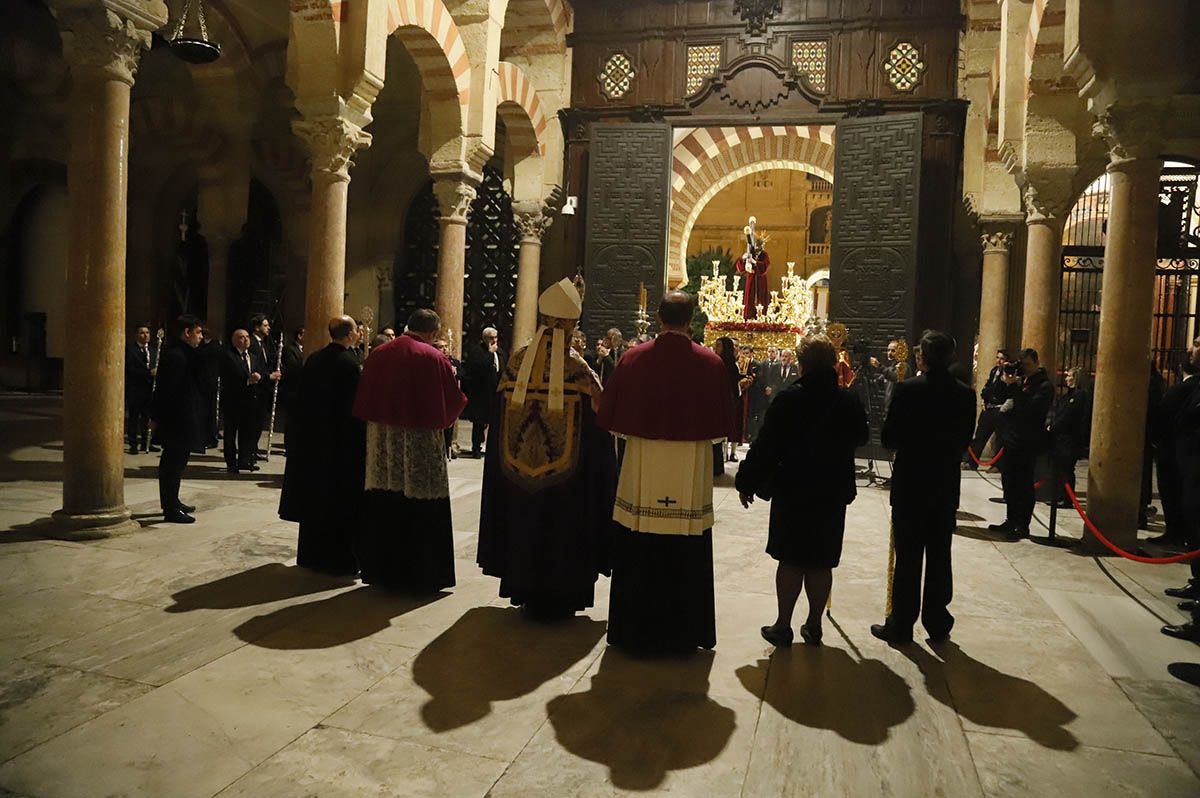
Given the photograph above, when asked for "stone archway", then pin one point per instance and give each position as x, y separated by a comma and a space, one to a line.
707, 160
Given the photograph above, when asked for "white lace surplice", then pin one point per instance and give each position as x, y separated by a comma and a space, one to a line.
666, 487
408, 461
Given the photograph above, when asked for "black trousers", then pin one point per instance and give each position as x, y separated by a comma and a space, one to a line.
478, 433
983, 432
137, 424
241, 435
923, 538
1016, 478
170, 471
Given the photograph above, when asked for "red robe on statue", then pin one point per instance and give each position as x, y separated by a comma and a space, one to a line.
755, 291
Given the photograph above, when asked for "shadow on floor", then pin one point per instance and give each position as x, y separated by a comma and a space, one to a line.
980, 533
825, 688
495, 654
993, 699
261, 585
335, 621
963, 515
644, 718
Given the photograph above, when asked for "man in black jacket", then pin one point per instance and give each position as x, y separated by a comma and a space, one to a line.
141, 364
241, 373
176, 413
289, 375
993, 395
1024, 436
482, 367
928, 424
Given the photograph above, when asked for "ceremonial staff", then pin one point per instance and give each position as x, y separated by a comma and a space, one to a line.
154, 376
274, 396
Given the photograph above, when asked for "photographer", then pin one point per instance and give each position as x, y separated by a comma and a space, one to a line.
993, 395
1023, 435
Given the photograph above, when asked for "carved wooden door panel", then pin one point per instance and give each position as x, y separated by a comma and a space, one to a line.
628, 206
873, 254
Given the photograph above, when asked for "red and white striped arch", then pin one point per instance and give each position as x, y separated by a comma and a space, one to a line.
435, 44
709, 159
525, 127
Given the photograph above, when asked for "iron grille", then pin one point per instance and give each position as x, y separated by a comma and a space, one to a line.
493, 243
1177, 275
415, 283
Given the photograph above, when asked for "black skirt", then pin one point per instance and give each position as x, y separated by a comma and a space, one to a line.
808, 537
661, 600
406, 544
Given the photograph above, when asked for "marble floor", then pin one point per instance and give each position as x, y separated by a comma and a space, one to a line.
200, 661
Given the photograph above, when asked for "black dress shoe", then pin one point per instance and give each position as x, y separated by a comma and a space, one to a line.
249, 467
939, 637
1189, 591
1003, 526
133, 450
777, 637
1191, 605
153, 449
178, 517
1015, 533
186, 508
811, 635
888, 634
1189, 631
231, 469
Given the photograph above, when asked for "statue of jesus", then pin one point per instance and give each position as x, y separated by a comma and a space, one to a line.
754, 264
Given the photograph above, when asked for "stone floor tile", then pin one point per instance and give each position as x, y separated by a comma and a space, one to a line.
39, 702
1173, 708
335, 763
34, 621
1010, 766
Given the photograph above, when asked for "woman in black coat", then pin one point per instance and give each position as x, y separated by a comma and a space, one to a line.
726, 349
1070, 426
803, 461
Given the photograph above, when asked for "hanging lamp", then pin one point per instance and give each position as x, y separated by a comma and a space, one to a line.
191, 49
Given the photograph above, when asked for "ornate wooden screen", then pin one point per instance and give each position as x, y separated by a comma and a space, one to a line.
416, 263
493, 243
873, 254
627, 210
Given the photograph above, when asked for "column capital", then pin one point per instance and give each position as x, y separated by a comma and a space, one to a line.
1133, 132
996, 241
455, 189
332, 141
1047, 201
533, 219
100, 44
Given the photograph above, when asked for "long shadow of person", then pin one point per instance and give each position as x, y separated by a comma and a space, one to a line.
825, 688
991, 698
644, 718
334, 621
260, 585
494, 654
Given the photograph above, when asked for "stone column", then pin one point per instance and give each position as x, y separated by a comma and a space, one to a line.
1044, 219
455, 192
1126, 318
102, 49
332, 141
533, 224
993, 300
218, 285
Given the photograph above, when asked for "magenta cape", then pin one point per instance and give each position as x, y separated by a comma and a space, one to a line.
669, 390
410, 384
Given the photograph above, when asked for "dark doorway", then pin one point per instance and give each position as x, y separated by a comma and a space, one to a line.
257, 262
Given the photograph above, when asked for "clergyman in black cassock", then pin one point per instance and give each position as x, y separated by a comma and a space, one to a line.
549, 479
326, 463
929, 423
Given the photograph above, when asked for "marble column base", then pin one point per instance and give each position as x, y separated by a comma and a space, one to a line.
91, 526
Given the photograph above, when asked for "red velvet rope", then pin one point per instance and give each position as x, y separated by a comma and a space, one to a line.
1191, 555
989, 463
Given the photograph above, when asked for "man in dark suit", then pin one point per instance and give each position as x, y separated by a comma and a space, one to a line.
262, 346
1184, 441
241, 374
928, 424
175, 410
1024, 436
993, 395
141, 364
789, 372
482, 367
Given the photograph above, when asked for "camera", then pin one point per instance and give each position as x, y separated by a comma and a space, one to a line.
1012, 369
